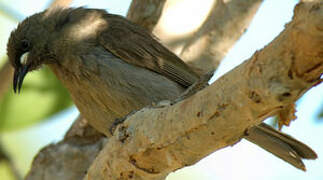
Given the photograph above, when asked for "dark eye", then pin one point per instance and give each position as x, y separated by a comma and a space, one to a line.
25, 45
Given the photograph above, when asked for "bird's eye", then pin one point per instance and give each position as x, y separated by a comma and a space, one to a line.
25, 45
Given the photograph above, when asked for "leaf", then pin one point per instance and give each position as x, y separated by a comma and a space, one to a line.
41, 96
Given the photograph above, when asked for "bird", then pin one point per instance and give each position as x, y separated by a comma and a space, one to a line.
112, 67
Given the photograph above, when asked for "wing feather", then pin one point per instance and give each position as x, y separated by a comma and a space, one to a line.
136, 46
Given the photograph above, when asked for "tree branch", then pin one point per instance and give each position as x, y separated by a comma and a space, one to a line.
70, 158
222, 113
61, 3
205, 46
146, 12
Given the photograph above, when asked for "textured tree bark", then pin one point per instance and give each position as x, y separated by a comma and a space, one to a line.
222, 113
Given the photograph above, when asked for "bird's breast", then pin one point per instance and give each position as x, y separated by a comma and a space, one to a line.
104, 87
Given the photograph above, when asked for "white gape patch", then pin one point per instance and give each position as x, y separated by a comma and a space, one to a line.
23, 58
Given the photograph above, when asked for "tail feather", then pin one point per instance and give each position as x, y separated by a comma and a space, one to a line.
281, 145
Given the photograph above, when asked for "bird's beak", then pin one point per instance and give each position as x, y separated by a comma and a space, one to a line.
19, 75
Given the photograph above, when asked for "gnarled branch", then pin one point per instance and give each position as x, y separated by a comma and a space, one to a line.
222, 113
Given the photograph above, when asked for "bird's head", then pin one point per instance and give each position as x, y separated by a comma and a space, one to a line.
29, 46
26, 48
47, 37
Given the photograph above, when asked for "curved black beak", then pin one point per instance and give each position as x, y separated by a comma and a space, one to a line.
19, 76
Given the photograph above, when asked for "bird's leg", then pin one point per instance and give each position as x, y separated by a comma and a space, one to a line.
118, 121
197, 86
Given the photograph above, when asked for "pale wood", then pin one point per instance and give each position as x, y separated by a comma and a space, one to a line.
156, 141
205, 46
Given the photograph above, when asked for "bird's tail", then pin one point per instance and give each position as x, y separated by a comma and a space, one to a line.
281, 145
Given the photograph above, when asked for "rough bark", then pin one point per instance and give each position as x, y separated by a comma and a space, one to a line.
222, 113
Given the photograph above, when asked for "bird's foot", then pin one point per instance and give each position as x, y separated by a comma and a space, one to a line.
118, 121
197, 86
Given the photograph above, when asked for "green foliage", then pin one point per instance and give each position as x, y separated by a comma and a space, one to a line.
41, 96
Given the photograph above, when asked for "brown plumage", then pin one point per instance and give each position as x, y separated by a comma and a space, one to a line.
111, 67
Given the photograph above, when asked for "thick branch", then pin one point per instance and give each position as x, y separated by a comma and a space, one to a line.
219, 115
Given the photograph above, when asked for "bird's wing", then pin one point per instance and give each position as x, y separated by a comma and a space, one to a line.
135, 45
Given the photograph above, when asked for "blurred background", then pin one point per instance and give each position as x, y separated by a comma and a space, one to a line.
43, 112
